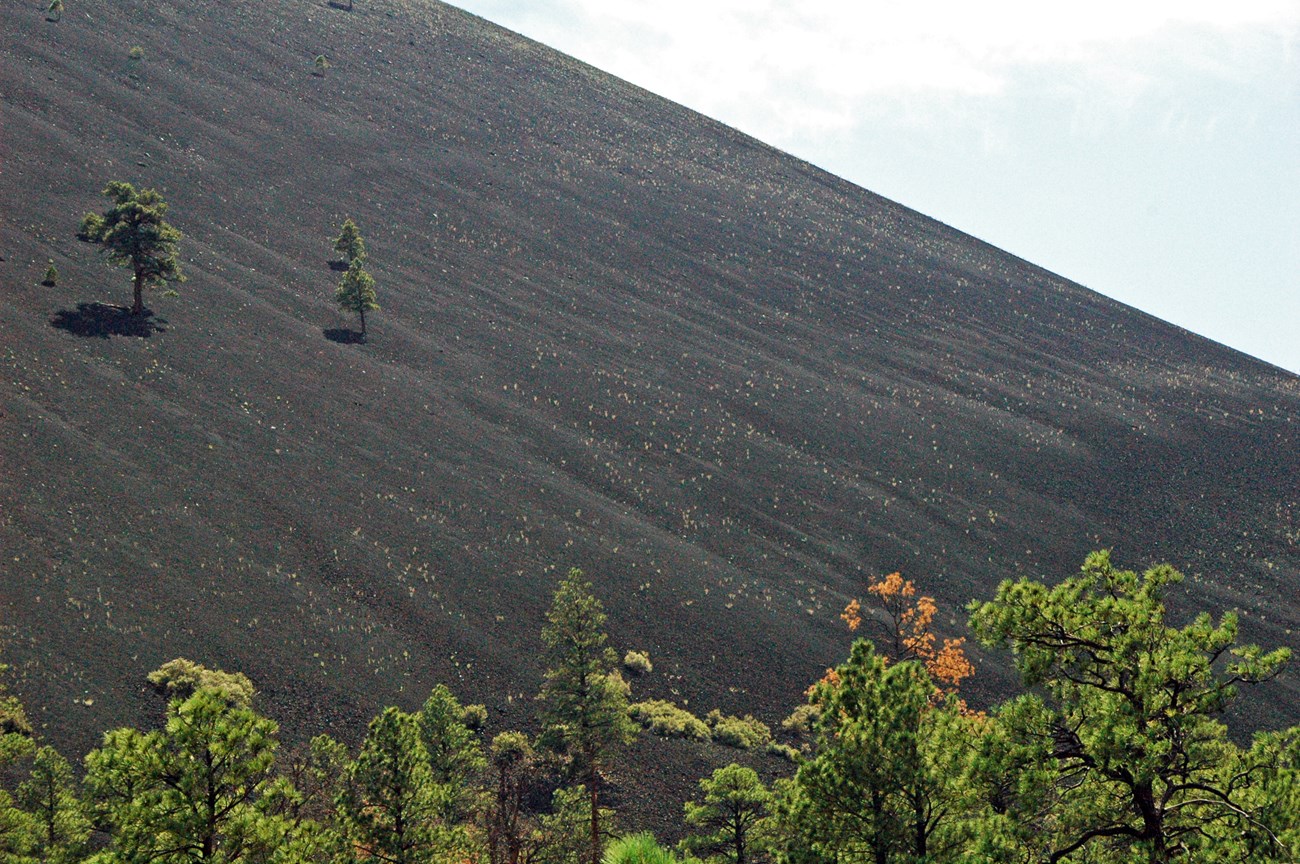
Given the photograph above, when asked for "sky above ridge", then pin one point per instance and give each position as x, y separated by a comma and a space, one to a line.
1148, 149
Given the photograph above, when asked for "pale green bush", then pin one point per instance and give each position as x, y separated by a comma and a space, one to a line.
746, 733
667, 720
637, 662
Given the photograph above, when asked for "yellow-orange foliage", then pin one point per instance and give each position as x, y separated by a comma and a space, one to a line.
831, 679
908, 630
852, 615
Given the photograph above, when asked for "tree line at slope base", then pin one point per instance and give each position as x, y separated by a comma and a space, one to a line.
1117, 752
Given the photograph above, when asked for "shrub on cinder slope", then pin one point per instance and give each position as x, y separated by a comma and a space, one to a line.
665, 719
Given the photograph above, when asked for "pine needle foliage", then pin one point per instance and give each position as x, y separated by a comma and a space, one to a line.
356, 292
1128, 740
639, 848
134, 234
348, 244
585, 699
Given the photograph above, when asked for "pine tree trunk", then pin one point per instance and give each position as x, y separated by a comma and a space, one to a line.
879, 846
1153, 828
138, 286
922, 836
363, 322
595, 821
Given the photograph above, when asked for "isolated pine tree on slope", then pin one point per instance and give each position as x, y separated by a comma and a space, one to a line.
356, 293
134, 235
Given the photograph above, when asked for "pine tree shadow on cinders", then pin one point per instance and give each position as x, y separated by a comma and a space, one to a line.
101, 320
344, 336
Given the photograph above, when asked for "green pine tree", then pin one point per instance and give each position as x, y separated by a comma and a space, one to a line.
1125, 754
50, 795
563, 835
735, 803
584, 712
19, 830
886, 779
201, 789
390, 806
356, 292
134, 234
455, 755
508, 827
349, 243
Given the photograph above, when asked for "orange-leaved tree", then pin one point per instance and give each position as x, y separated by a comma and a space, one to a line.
886, 776
907, 634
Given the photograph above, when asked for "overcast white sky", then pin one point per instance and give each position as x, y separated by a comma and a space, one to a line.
1149, 149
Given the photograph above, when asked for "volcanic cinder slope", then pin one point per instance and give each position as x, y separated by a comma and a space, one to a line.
615, 335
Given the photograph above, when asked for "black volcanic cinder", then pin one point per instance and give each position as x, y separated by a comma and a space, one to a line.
616, 335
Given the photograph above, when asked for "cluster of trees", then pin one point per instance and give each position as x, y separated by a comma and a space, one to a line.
1118, 753
134, 233
212, 784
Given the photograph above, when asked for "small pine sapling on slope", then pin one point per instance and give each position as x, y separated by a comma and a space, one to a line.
356, 292
134, 60
349, 244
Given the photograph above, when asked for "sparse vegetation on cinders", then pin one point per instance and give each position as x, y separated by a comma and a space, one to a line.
637, 663
663, 718
182, 678
746, 733
474, 717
